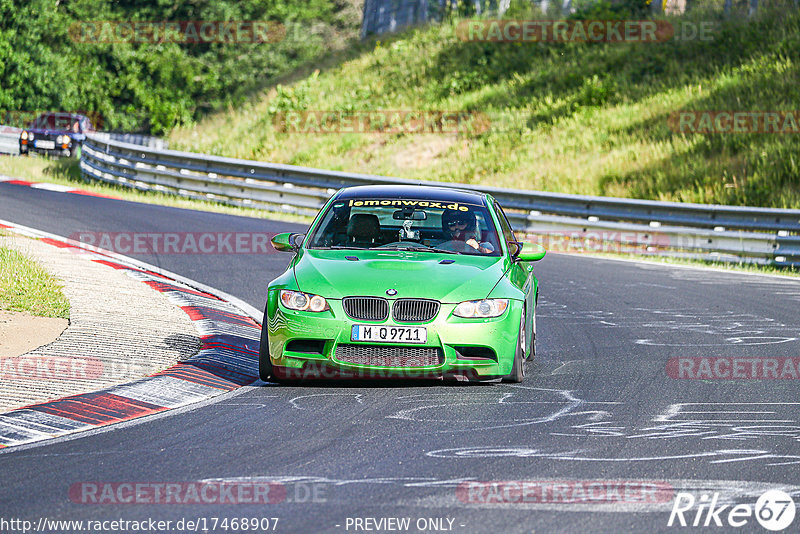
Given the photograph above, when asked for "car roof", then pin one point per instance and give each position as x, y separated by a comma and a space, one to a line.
422, 192
50, 120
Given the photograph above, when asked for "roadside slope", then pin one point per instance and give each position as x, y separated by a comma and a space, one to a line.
565, 117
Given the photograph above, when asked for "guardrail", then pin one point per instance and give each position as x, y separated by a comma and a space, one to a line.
728, 233
9, 140
133, 138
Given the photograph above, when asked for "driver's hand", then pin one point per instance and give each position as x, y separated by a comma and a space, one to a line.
473, 243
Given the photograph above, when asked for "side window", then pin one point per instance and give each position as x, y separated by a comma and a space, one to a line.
508, 233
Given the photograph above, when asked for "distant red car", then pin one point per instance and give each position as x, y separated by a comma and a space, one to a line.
58, 134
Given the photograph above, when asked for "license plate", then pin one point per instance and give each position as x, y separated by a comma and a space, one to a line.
389, 334
47, 145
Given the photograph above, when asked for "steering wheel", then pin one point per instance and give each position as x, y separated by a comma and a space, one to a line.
456, 245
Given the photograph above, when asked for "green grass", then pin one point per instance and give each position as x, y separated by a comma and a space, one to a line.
569, 117
26, 287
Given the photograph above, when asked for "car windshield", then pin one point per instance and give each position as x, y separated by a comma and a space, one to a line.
67, 122
407, 224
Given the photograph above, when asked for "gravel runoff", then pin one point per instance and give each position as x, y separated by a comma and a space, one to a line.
119, 330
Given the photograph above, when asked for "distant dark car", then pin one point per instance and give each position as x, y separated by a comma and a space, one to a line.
58, 134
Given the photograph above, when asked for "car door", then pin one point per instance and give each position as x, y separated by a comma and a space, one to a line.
521, 275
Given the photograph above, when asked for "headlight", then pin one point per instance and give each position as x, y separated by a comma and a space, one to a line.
481, 308
30, 136
24, 136
297, 300
58, 140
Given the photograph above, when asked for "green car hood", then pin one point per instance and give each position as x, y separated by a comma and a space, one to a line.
412, 274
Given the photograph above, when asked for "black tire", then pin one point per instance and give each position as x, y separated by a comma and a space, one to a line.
517, 373
264, 362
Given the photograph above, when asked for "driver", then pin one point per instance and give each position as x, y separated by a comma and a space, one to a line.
463, 226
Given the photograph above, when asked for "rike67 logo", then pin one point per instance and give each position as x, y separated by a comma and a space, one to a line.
774, 510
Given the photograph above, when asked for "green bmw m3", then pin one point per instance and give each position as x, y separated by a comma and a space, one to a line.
402, 281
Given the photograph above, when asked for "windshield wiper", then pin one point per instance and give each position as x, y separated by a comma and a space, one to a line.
443, 251
340, 247
421, 249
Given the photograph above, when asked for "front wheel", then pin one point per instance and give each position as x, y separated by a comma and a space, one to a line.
518, 369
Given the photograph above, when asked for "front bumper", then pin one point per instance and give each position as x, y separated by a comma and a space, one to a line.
304, 344
64, 149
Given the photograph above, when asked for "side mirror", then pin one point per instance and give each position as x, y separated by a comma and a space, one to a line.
530, 252
286, 242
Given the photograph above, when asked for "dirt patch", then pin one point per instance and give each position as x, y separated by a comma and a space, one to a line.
22, 332
423, 151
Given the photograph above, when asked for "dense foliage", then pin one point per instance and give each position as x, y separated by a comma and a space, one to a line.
44, 65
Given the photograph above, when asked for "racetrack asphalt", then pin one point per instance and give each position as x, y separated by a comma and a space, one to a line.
597, 407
